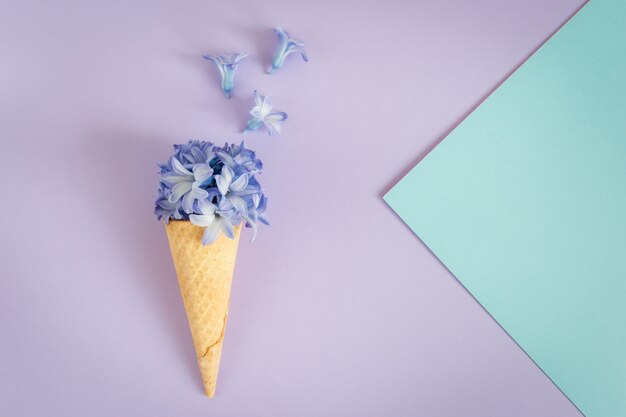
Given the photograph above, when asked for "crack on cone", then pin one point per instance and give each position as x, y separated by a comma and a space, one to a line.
218, 341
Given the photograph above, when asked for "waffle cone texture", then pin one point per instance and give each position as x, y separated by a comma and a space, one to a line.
205, 276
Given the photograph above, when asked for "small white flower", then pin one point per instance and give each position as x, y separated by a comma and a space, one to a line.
262, 115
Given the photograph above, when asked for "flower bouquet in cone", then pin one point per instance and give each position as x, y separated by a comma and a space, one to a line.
206, 194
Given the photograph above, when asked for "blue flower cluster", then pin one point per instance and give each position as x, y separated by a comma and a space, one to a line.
262, 114
213, 187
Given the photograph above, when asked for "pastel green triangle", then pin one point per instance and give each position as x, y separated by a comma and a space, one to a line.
525, 203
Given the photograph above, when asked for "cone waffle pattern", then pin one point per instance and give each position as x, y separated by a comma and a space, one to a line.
205, 276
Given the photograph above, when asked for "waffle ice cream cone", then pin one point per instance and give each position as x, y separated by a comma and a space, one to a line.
205, 275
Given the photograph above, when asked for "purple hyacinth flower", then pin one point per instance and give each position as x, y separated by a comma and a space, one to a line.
286, 46
263, 116
227, 65
213, 187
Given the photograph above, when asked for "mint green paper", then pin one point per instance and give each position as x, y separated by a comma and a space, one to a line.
525, 203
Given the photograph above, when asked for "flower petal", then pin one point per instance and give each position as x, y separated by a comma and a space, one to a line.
239, 57
226, 158
197, 192
254, 124
211, 58
211, 233
239, 204
179, 168
281, 33
228, 173
202, 173
266, 106
263, 219
198, 155
172, 179
178, 191
165, 204
227, 228
206, 207
273, 128
240, 183
262, 206
222, 184
188, 202
202, 220
277, 116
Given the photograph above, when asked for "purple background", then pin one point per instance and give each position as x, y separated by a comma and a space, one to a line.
337, 309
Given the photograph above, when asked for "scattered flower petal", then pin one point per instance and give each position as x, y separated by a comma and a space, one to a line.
263, 116
227, 66
286, 46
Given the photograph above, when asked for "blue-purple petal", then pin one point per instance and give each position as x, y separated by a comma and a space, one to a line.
202, 220
178, 191
179, 168
211, 233
227, 228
